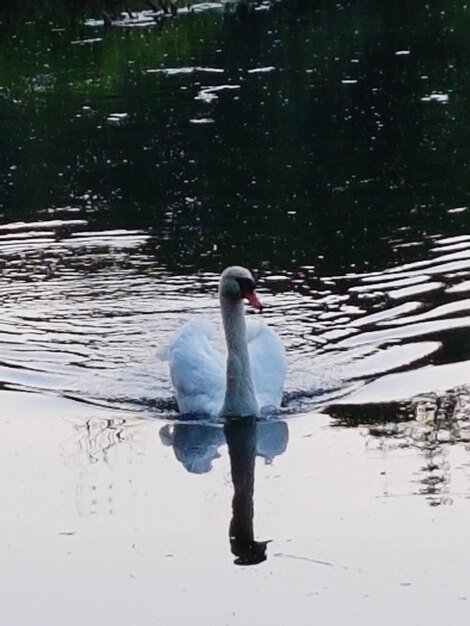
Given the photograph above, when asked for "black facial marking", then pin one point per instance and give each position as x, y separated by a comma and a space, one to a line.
247, 285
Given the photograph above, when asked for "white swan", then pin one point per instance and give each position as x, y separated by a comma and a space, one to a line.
249, 379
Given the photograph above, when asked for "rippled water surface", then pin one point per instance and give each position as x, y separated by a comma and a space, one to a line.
87, 314
323, 146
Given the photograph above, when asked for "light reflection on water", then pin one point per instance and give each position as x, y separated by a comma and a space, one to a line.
87, 314
146, 524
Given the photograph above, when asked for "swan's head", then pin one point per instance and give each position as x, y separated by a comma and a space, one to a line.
237, 283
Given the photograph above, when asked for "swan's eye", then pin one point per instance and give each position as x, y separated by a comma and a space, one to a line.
247, 285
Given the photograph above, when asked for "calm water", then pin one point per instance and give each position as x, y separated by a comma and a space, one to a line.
324, 146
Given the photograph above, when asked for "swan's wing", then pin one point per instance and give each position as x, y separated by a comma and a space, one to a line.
268, 363
197, 369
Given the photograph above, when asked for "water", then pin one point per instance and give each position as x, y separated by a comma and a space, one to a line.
88, 314
325, 148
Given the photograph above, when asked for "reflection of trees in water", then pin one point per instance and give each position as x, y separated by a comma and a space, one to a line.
429, 422
46, 8
95, 438
94, 441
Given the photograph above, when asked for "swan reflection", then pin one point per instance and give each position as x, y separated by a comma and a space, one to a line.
241, 439
196, 446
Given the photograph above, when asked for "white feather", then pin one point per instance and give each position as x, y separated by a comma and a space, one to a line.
198, 368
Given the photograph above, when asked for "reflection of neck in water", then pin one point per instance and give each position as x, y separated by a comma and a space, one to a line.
241, 440
196, 445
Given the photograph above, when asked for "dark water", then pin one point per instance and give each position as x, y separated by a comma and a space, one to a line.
357, 127
326, 147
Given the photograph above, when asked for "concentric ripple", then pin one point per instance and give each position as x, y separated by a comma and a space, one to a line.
86, 314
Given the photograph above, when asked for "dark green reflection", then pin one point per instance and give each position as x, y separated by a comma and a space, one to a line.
324, 156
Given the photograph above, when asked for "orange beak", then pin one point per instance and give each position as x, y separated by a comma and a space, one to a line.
253, 300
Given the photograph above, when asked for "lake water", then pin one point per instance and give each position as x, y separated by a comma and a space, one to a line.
323, 146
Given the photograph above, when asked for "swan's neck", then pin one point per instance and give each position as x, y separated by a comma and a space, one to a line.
240, 397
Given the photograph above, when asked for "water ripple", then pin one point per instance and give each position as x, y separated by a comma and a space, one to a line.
102, 308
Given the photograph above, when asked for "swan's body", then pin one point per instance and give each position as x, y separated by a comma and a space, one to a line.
248, 378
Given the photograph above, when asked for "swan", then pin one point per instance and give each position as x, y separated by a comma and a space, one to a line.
247, 379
